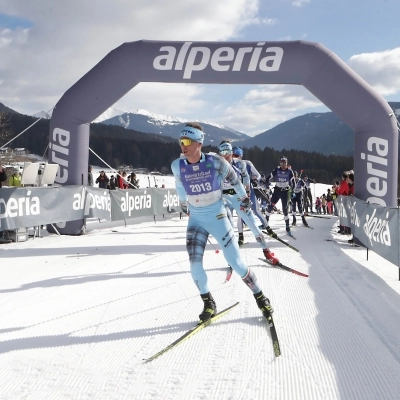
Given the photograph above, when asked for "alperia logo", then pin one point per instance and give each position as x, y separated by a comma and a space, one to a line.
191, 59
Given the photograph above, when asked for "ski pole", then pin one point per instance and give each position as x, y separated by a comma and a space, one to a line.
216, 250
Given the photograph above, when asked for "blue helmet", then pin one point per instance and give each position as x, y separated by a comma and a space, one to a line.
237, 151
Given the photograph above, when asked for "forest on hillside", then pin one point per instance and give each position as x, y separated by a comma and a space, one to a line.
118, 146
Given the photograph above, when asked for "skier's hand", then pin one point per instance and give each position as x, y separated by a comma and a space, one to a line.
293, 195
245, 204
185, 207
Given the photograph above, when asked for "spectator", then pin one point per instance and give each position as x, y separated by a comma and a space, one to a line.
112, 183
318, 205
329, 201
350, 182
323, 203
90, 176
15, 178
134, 182
102, 180
125, 180
343, 190
122, 182
334, 197
3, 178
3, 175
307, 193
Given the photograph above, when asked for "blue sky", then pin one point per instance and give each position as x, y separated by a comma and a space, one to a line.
46, 46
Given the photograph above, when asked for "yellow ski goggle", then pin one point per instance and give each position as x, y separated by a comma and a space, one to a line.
185, 141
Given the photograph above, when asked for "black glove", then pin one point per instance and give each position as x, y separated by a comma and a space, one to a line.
185, 207
245, 204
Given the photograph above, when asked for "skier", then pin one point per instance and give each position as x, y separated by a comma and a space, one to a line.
198, 179
229, 195
307, 193
237, 154
297, 198
283, 176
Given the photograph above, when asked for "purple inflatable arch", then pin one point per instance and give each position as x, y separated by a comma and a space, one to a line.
297, 62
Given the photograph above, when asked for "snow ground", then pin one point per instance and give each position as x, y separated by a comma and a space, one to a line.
79, 315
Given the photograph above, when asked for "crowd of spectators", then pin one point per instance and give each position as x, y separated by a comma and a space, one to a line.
121, 180
325, 203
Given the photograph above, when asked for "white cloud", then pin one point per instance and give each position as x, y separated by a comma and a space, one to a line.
67, 39
300, 3
379, 69
164, 98
266, 106
9, 37
265, 21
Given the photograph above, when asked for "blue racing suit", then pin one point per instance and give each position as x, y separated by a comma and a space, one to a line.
298, 198
233, 202
199, 185
284, 179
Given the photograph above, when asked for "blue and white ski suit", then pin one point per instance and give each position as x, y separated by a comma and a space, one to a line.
233, 201
199, 185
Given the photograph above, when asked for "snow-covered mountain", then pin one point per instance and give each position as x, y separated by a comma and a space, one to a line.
109, 113
43, 114
166, 125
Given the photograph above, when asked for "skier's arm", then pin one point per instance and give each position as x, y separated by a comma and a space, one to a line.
227, 173
254, 171
292, 181
245, 175
270, 176
180, 190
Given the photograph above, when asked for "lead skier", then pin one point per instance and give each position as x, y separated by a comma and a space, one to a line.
198, 178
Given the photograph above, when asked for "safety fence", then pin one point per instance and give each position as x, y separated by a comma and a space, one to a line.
33, 206
376, 227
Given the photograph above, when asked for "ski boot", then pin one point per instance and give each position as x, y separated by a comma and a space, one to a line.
263, 304
270, 256
210, 308
288, 231
271, 232
294, 221
241, 239
304, 221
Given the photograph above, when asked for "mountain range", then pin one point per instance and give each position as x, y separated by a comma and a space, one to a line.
323, 133
320, 132
165, 125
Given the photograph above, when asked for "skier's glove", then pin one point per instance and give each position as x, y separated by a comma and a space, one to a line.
185, 207
293, 195
245, 204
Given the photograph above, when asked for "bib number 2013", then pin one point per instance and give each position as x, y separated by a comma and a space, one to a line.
201, 187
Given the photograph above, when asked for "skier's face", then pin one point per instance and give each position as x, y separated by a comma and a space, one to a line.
228, 156
192, 150
283, 164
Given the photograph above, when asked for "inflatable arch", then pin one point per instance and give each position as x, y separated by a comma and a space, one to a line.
295, 62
